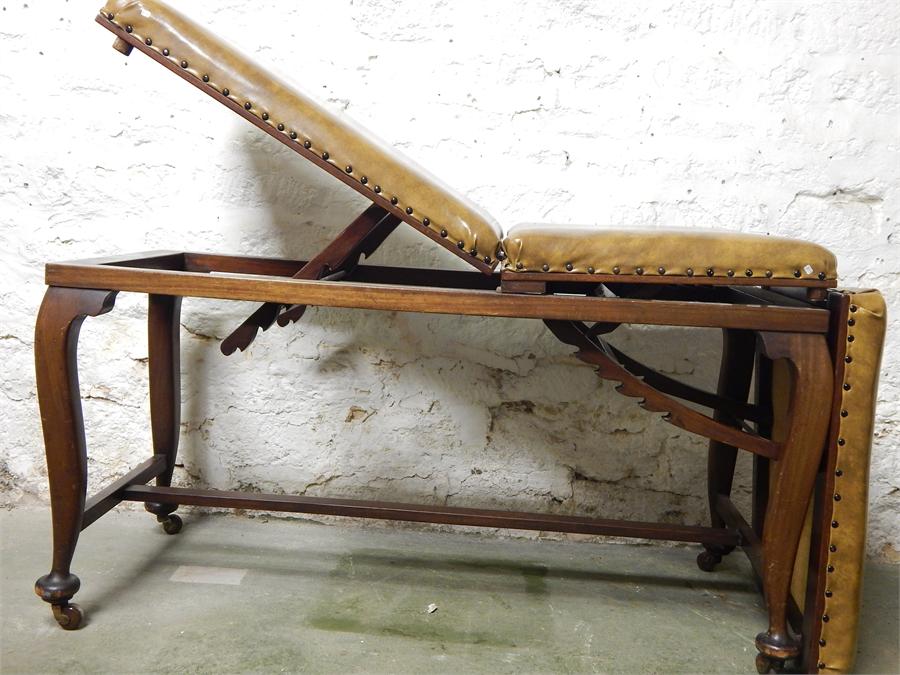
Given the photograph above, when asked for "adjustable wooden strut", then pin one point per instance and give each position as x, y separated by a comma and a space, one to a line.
637, 380
361, 237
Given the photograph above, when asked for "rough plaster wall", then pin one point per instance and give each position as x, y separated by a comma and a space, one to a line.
770, 117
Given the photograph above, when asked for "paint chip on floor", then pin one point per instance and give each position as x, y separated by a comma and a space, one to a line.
197, 574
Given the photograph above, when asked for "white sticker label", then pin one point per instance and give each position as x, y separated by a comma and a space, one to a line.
808, 269
145, 13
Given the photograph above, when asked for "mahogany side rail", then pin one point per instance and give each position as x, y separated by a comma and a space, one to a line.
794, 437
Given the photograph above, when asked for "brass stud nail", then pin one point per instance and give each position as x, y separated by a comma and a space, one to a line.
834, 524
850, 338
426, 222
128, 29
689, 271
443, 233
501, 254
409, 210
184, 64
841, 441
837, 497
821, 643
148, 42
165, 52
797, 273
280, 127
826, 618
853, 308
569, 267
394, 201
226, 92
616, 270
363, 180
293, 135
110, 16
519, 265
846, 386
377, 189
473, 252
661, 270
730, 273
590, 270
306, 144
325, 156
710, 271
248, 105
832, 548
546, 267
851, 322
838, 472
487, 260
848, 359
830, 569
639, 270
844, 413
768, 274
460, 244
828, 594
348, 168
822, 276
206, 78
748, 272
265, 116
820, 665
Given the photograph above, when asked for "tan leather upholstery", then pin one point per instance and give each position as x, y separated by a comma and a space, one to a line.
627, 252
378, 167
847, 541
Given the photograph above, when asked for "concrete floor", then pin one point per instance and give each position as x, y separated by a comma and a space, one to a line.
299, 596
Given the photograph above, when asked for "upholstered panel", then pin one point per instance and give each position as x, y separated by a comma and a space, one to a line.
847, 529
378, 168
629, 252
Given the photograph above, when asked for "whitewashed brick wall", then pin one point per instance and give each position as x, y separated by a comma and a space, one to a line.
767, 117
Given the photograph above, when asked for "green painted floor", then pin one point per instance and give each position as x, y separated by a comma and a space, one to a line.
294, 596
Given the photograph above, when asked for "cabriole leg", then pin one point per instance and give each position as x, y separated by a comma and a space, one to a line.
792, 476
163, 335
735, 374
56, 364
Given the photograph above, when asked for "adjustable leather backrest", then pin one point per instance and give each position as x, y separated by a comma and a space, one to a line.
370, 166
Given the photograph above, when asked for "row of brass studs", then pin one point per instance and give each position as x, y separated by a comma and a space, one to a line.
662, 270
838, 472
307, 144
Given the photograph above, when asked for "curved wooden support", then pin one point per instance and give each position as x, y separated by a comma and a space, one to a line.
56, 363
793, 475
164, 344
598, 354
728, 405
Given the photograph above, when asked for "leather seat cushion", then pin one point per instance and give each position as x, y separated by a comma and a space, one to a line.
302, 119
664, 252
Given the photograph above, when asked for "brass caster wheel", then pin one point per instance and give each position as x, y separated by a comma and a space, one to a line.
768, 664
707, 561
69, 616
171, 524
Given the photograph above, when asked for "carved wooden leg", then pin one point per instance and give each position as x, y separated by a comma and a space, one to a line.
793, 476
55, 351
735, 375
164, 342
